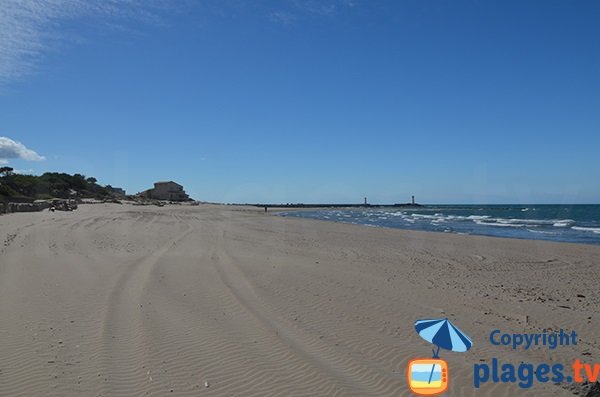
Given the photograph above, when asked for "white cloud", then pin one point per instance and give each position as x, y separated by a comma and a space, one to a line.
29, 28
10, 149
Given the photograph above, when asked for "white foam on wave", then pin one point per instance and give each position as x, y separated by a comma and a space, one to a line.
439, 217
540, 231
563, 223
533, 222
501, 224
487, 220
424, 216
519, 221
587, 229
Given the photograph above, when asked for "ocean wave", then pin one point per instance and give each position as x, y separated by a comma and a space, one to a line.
483, 223
537, 222
483, 220
543, 224
525, 221
540, 231
439, 216
424, 216
595, 230
478, 217
563, 223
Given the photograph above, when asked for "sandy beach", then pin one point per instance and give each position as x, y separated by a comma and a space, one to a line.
121, 300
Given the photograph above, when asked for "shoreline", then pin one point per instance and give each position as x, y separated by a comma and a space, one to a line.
437, 232
489, 230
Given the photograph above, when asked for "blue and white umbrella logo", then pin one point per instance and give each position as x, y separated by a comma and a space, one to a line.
443, 334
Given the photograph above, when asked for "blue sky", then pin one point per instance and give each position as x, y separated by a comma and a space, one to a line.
309, 101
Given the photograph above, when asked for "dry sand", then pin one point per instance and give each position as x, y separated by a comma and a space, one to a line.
116, 300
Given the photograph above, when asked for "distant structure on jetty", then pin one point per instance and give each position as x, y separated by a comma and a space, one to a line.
166, 190
324, 205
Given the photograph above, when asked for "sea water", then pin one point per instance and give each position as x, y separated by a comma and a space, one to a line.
567, 223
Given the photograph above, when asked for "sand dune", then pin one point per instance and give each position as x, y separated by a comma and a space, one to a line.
116, 300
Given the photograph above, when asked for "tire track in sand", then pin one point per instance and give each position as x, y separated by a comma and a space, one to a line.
309, 358
123, 341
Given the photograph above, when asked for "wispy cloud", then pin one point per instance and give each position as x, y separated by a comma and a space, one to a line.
292, 10
29, 171
31, 28
282, 16
10, 149
316, 7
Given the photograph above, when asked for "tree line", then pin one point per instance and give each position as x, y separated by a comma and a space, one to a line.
19, 187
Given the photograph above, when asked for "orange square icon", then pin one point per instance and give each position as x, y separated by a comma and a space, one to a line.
427, 376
